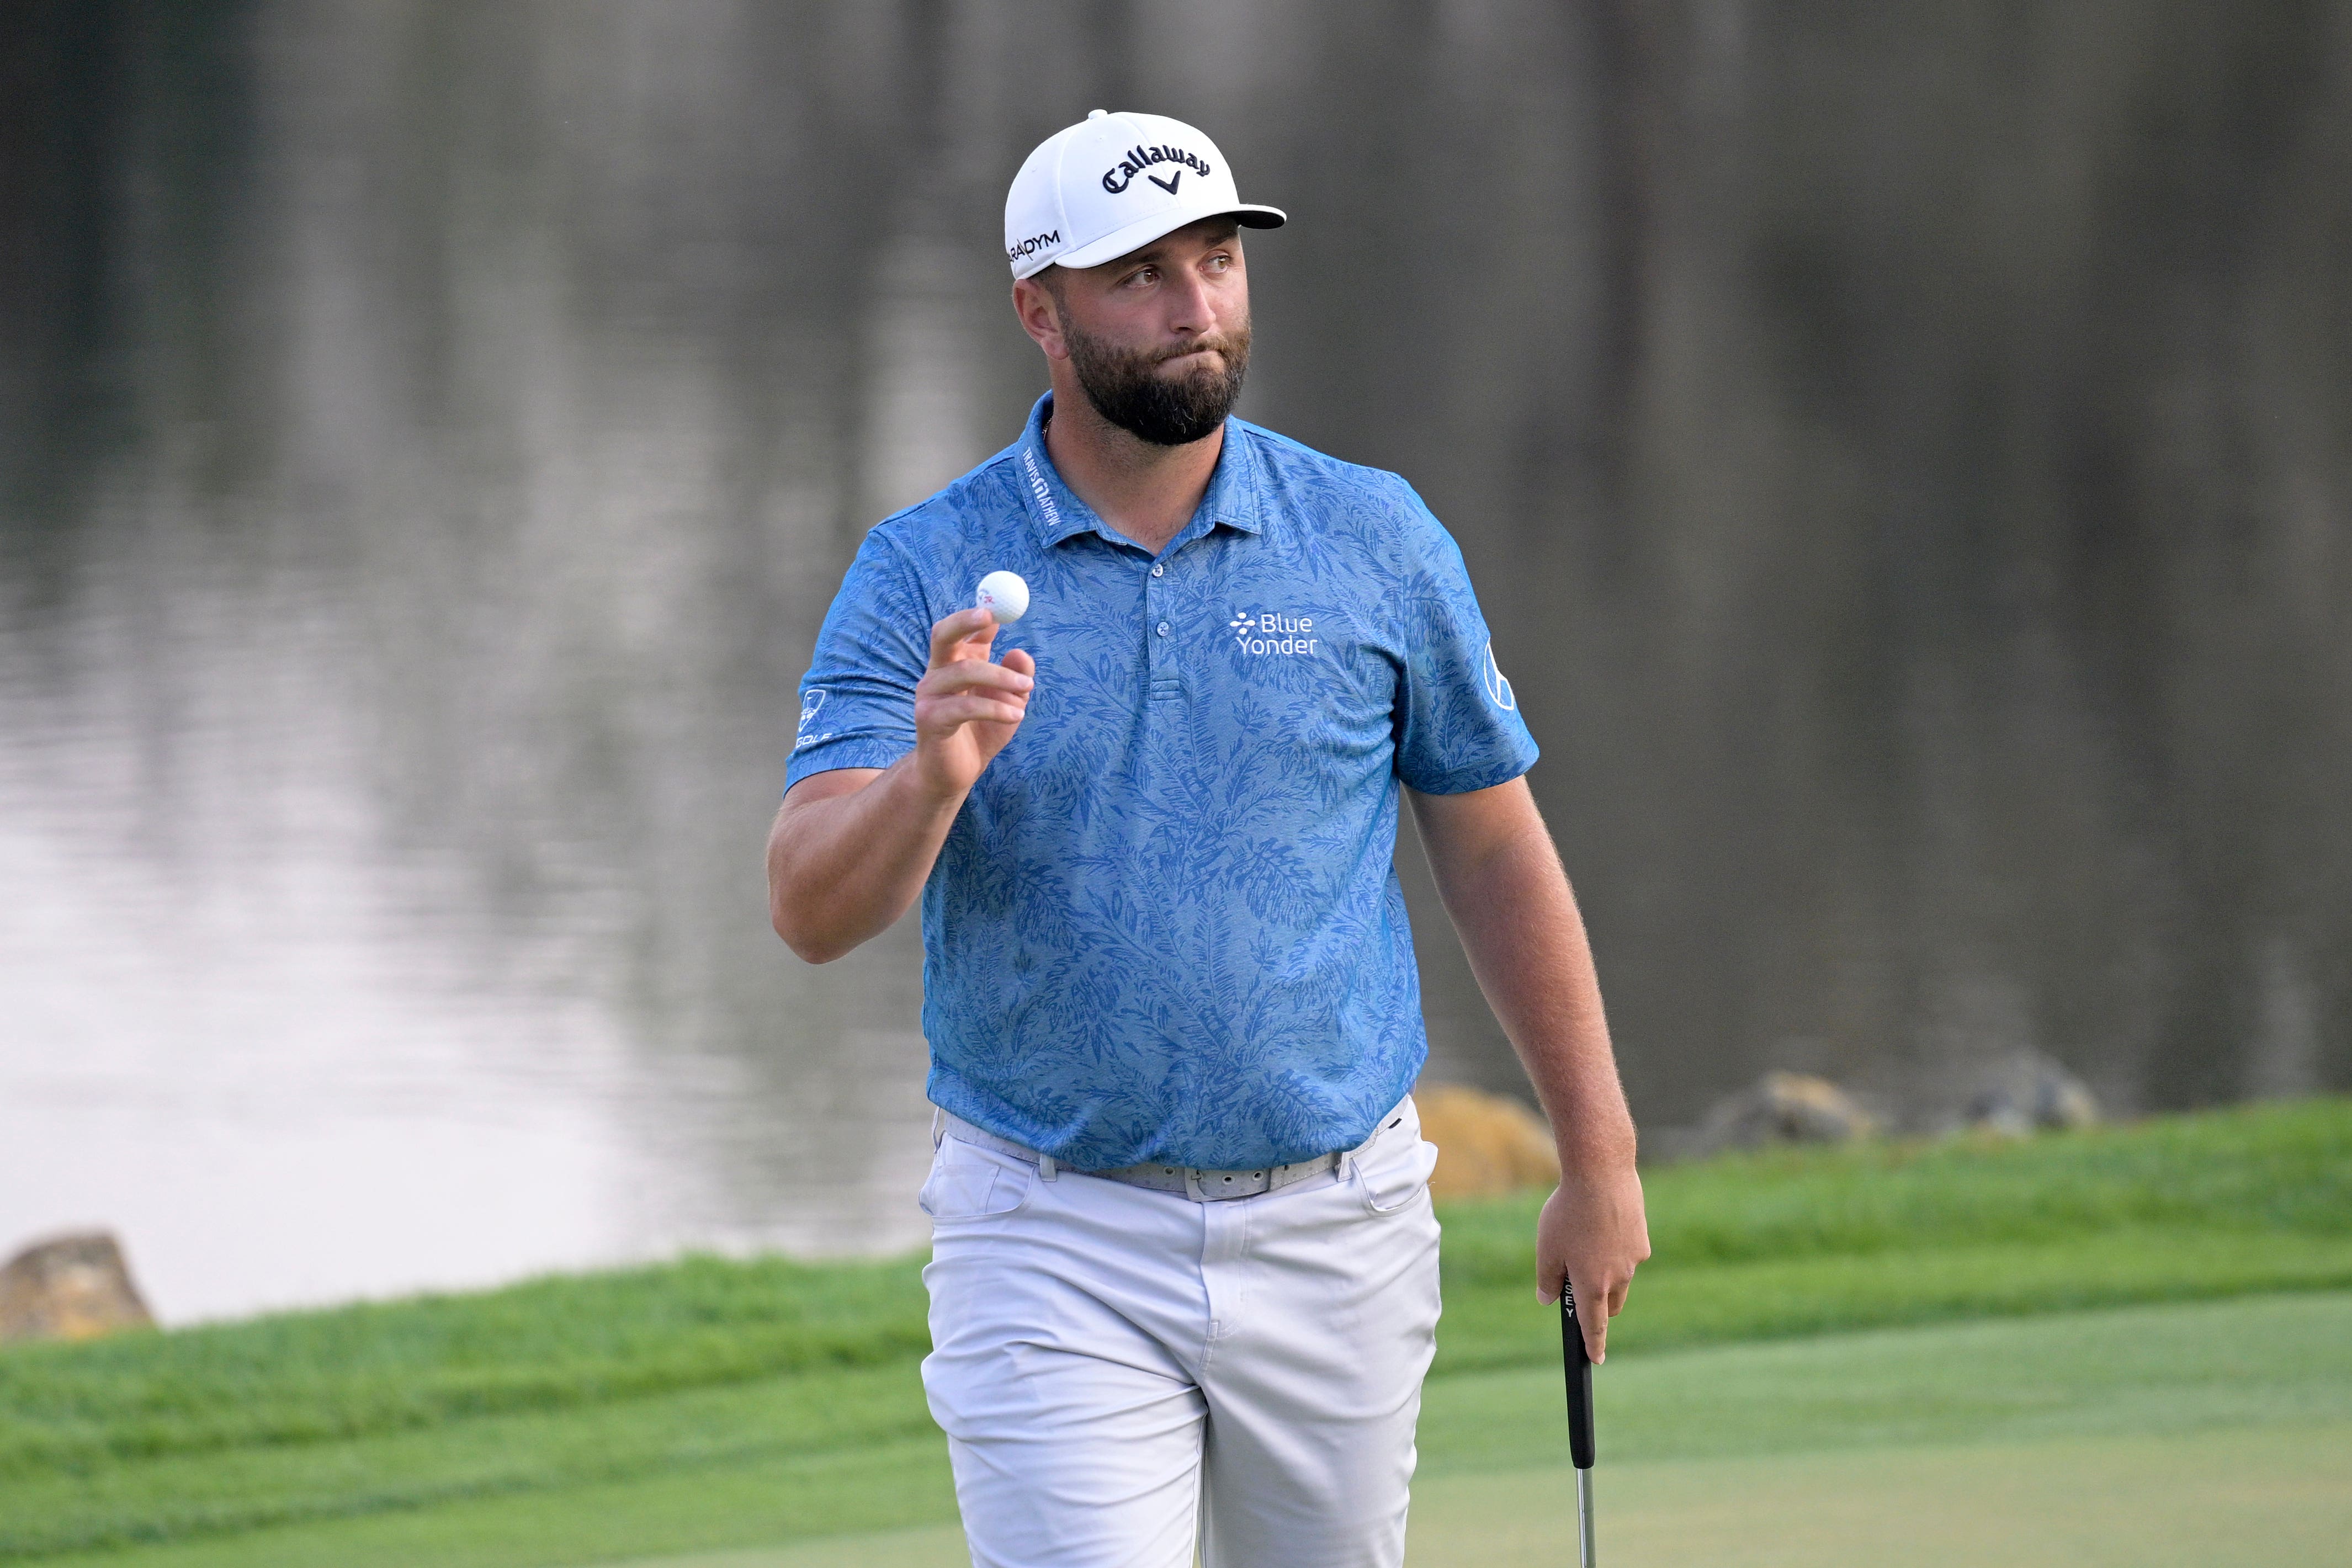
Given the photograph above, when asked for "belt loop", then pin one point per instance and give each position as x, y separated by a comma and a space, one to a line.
939, 1127
1047, 1166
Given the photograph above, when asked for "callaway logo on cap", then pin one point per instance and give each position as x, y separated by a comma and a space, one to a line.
1113, 183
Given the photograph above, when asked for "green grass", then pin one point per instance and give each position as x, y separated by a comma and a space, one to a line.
792, 1388
2206, 1365
854, 1433
2275, 1498
549, 1344
1795, 1242
2284, 1168
2145, 1434
1840, 1443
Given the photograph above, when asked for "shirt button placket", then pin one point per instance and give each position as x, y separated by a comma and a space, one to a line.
1167, 686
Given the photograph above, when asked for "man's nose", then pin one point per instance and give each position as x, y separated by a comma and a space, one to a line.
1191, 307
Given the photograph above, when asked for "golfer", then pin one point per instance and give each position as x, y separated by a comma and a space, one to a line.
1184, 1269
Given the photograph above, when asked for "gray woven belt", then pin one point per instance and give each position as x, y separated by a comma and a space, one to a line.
1185, 1181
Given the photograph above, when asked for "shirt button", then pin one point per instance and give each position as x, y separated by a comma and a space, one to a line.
1163, 628
1158, 569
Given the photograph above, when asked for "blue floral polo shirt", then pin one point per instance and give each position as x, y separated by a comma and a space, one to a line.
1166, 925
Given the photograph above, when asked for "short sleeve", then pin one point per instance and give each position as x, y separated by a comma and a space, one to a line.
857, 701
1457, 719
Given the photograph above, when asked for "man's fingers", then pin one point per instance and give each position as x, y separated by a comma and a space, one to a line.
949, 712
973, 674
951, 631
962, 687
1593, 1324
1597, 1300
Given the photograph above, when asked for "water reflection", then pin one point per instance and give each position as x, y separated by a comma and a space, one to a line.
430, 435
384, 787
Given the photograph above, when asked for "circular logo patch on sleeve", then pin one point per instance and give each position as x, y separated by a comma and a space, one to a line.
1497, 689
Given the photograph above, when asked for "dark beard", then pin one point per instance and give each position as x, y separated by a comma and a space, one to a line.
1165, 411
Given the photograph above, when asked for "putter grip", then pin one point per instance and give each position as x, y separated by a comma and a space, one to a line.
1580, 1381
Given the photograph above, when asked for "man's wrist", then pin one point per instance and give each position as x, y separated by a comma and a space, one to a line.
1587, 1155
925, 792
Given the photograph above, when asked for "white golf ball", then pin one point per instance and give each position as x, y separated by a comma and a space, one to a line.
1005, 593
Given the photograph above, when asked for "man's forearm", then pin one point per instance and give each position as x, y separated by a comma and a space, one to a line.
849, 854
1503, 885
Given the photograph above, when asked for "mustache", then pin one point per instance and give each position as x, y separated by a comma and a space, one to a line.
1224, 343
1126, 388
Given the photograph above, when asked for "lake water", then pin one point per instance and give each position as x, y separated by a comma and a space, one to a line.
430, 435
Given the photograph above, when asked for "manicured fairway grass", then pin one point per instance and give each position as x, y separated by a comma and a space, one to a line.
2216, 1433
2066, 1438
711, 1404
2275, 1498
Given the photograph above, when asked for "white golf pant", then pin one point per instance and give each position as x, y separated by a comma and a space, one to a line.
1114, 1367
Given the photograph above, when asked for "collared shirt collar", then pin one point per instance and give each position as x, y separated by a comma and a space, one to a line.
1231, 500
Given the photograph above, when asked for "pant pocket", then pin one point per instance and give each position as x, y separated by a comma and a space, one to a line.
1394, 1175
972, 1183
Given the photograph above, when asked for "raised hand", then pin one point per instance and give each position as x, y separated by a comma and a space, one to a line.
966, 707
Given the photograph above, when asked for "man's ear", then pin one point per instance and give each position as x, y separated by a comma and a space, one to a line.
1041, 317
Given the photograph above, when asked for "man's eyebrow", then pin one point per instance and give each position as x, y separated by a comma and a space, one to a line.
1156, 252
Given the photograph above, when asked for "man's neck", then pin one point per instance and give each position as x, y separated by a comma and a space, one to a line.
1146, 492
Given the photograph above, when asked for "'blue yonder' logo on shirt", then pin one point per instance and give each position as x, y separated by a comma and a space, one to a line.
1271, 631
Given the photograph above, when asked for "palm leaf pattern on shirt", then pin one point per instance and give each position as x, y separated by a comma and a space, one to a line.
1165, 925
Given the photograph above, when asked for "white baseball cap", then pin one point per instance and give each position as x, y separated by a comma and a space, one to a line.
1113, 183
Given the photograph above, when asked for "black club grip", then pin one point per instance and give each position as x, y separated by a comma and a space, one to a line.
1580, 1381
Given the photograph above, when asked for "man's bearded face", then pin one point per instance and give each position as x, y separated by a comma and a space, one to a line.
1127, 387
